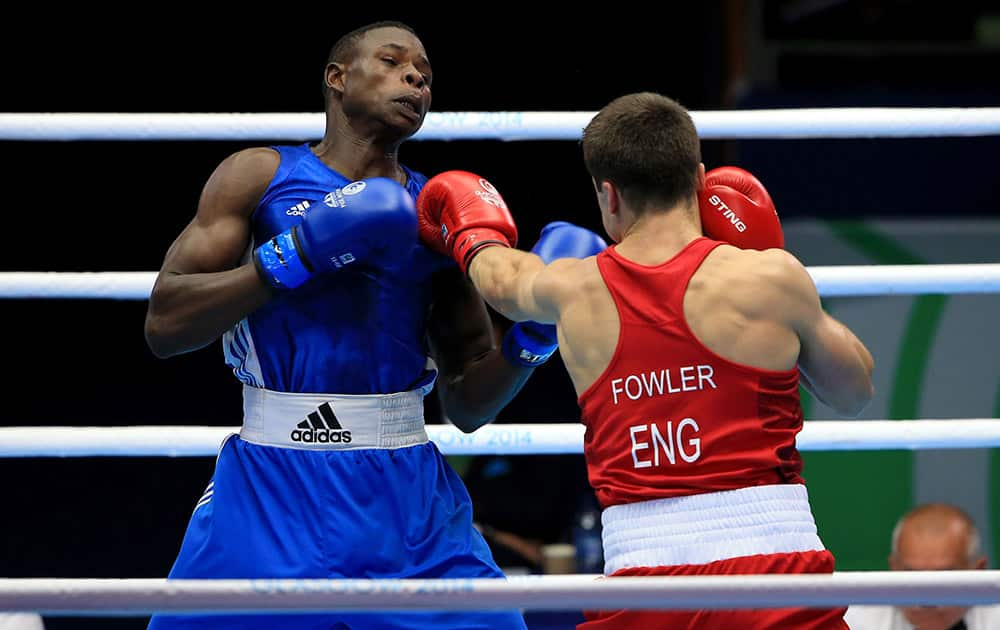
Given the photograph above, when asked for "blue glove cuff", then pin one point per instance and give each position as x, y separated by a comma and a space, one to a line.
523, 346
279, 261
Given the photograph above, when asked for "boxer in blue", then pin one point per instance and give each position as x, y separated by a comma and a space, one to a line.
305, 260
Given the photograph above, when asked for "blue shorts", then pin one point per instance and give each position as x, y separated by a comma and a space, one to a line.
273, 512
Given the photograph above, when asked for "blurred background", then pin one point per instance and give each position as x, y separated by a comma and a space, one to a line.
117, 206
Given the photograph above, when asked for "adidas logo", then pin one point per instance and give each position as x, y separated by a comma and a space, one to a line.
321, 427
298, 210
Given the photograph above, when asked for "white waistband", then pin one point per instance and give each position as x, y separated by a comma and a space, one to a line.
333, 422
704, 528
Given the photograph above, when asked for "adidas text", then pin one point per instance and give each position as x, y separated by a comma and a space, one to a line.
321, 436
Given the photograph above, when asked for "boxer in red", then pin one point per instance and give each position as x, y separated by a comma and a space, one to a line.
686, 341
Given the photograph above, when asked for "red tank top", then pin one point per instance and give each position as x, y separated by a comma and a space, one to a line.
669, 417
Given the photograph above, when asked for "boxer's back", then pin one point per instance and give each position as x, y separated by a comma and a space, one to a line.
731, 305
669, 415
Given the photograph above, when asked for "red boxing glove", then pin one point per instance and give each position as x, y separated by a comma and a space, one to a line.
459, 213
736, 208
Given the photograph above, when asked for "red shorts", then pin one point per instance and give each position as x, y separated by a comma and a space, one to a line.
762, 619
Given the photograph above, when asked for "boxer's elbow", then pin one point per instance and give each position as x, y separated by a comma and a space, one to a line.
866, 392
467, 420
161, 337
156, 338
459, 406
168, 335
846, 391
851, 401
853, 407
468, 424
163, 329
862, 390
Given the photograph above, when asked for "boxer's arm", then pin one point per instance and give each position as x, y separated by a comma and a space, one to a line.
519, 285
202, 290
476, 381
836, 365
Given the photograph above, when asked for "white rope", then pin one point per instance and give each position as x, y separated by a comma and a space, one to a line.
121, 285
870, 280
838, 280
833, 122
497, 439
570, 592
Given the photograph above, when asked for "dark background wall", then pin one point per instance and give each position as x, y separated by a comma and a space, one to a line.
116, 206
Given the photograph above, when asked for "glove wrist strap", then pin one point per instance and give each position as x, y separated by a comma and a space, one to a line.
279, 262
522, 349
468, 243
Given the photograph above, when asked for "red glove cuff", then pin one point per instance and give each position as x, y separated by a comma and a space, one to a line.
470, 242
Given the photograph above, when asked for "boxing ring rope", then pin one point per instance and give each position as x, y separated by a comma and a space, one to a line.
495, 439
833, 122
135, 597
831, 281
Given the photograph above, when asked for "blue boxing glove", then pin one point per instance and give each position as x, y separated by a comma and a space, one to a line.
530, 343
370, 220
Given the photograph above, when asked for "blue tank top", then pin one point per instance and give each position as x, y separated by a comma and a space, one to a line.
355, 331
